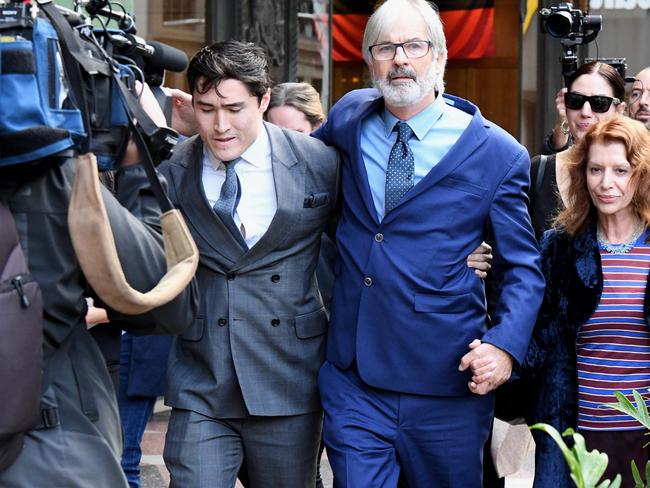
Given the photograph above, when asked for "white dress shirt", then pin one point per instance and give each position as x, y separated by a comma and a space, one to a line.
258, 201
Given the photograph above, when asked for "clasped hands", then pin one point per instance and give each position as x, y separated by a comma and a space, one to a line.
490, 367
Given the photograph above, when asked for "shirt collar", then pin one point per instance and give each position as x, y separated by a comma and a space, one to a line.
258, 154
420, 123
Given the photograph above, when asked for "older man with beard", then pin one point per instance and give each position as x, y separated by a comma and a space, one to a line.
639, 101
412, 357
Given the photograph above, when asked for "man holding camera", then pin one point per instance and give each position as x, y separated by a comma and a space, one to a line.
77, 441
242, 379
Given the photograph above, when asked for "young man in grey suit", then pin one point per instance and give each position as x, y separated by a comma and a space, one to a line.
242, 379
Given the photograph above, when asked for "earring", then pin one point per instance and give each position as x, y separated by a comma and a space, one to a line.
564, 127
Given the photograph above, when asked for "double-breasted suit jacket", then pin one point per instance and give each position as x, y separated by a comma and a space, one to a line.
258, 340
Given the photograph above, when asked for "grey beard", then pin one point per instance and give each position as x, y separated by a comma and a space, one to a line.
406, 94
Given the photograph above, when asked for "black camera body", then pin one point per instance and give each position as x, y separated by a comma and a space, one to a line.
565, 22
572, 27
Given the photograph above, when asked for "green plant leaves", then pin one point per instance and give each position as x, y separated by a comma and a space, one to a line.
638, 482
586, 467
638, 411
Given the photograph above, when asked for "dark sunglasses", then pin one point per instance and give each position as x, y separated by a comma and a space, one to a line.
598, 103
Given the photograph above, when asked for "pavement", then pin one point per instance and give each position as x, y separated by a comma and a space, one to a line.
154, 474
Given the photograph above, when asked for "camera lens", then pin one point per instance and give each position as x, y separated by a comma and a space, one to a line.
559, 24
592, 22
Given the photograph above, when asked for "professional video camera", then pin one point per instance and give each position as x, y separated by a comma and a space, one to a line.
80, 81
573, 28
152, 57
565, 22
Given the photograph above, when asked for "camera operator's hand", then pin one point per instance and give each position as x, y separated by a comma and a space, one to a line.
183, 120
560, 136
96, 316
150, 105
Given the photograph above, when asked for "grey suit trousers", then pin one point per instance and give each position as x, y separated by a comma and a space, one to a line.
203, 452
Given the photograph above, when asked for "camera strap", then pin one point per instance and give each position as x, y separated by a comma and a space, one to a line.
141, 123
94, 244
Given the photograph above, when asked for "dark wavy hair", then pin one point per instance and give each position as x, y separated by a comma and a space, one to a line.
581, 211
225, 60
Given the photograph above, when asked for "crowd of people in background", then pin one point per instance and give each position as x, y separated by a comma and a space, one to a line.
340, 300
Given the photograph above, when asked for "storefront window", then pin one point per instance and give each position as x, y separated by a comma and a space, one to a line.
179, 23
314, 40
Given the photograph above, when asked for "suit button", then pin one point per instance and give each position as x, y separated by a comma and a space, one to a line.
275, 278
367, 281
222, 322
379, 237
275, 322
230, 276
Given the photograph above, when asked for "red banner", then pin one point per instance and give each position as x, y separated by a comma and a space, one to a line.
469, 32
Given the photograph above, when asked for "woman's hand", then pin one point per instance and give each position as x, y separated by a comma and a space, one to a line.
481, 260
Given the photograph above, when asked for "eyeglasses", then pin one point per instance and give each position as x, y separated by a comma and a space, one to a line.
598, 103
638, 91
412, 50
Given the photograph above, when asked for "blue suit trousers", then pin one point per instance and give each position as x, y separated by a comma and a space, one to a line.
372, 434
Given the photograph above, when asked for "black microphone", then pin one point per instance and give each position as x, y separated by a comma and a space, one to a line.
156, 55
166, 57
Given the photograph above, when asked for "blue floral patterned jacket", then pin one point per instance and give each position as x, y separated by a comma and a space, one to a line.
574, 283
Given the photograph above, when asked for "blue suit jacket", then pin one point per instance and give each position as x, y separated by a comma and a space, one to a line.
406, 306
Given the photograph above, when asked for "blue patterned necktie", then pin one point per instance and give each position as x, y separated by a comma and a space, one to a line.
228, 199
401, 166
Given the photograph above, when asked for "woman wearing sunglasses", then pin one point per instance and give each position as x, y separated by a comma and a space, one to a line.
595, 92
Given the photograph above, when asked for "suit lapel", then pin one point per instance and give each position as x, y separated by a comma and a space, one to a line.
197, 209
289, 180
357, 163
471, 139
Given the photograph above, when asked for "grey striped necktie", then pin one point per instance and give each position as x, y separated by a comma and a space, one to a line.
401, 166
228, 199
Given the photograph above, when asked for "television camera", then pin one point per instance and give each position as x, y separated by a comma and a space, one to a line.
92, 69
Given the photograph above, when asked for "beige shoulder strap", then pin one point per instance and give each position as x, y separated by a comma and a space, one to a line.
93, 242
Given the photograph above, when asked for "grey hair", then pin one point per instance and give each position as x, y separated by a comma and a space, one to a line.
381, 18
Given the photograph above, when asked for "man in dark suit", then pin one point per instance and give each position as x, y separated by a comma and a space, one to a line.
242, 380
411, 363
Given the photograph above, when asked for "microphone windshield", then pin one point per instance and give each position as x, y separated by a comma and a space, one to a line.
167, 57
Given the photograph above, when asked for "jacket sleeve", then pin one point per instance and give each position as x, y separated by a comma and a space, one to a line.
136, 229
550, 313
517, 257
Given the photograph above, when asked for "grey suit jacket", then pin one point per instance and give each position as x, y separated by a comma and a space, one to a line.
258, 341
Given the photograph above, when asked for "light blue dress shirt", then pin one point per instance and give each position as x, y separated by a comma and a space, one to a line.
436, 128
